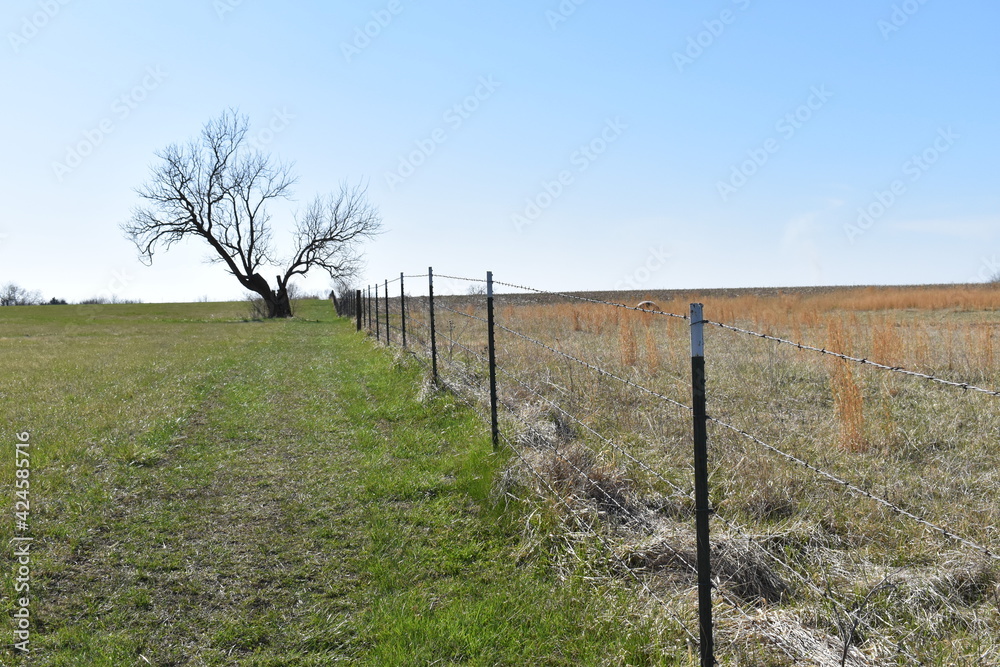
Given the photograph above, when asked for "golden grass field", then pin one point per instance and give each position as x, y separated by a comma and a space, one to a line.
809, 571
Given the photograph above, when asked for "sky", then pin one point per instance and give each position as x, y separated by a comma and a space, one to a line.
562, 144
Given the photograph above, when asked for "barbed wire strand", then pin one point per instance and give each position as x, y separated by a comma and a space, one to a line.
577, 420
484, 321
589, 300
639, 462
560, 294
458, 312
381, 284
859, 491
455, 388
468, 280
589, 528
845, 357
596, 369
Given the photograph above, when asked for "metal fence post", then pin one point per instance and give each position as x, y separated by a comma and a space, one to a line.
368, 310
702, 508
430, 300
357, 307
387, 311
378, 320
494, 424
402, 308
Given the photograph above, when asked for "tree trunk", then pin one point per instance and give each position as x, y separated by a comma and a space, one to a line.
277, 302
279, 305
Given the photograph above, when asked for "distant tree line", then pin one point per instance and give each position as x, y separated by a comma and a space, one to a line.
13, 294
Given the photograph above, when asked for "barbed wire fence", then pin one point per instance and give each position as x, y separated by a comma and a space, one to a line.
591, 466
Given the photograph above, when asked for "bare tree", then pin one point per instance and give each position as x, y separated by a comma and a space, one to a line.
12, 294
218, 188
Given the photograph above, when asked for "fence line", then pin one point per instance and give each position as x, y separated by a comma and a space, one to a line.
494, 367
624, 510
458, 312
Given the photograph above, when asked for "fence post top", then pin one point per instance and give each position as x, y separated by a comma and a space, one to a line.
697, 331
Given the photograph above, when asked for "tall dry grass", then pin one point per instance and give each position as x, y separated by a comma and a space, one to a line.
627, 344
847, 398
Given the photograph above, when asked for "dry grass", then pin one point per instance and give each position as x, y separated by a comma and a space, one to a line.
848, 403
837, 568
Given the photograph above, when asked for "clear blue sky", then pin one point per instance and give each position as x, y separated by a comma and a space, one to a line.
723, 143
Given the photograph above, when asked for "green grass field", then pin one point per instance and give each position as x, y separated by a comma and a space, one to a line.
211, 491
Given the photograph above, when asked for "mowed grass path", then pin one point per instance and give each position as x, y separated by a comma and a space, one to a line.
207, 491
